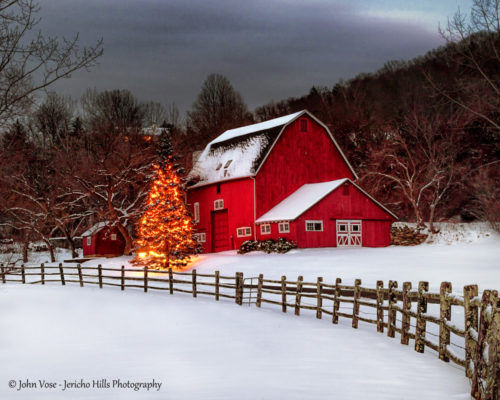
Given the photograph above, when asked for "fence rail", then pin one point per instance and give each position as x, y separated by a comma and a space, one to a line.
476, 347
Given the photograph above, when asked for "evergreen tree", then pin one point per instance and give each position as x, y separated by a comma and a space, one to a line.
165, 230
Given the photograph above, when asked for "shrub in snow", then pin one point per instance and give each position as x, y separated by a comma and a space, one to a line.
269, 246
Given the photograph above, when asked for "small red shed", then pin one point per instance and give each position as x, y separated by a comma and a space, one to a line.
103, 240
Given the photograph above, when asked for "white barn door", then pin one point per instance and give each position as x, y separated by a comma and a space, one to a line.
349, 233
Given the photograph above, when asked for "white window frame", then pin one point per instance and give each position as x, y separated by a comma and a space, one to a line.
89, 240
284, 227
319, 221
196, 212
200, 237
219, 204
265, 229
113, 236
243, 231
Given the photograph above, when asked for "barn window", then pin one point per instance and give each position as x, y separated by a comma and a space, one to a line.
342, 228
200, 237
196, 213
244, 231
218, 188
219, 204
303, 125
265, 229
89, 240
113, 236
346, 189
355, 227
314, 226
284, 227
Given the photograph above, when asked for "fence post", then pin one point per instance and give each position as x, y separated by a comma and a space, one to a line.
259, 290
283, 293
391, 313
61, 271
217, 282
336, 301
122, 278
3, 273
405, 324
99, 273
193, 274
481, 370
241, 288
42, 273
493, 374
145, 279
444, 316
470, 323
80, 276
319, 299
423, 287
171, 281
298, 294
380, 306
23, 274
355, 303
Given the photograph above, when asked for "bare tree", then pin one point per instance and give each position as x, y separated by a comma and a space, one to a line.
475, 41
30, 61
111, 110
420, 160
217, 108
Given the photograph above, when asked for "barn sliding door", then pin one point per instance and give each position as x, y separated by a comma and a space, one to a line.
349, 233
220, 231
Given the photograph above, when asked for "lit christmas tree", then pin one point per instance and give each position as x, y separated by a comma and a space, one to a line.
165, 230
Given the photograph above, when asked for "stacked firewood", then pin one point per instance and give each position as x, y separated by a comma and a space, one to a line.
406, 236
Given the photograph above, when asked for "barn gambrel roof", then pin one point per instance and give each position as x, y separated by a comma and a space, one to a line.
240, 152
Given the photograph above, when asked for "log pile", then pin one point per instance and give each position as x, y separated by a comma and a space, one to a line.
406, 236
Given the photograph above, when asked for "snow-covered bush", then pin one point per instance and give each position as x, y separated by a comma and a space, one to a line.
269, 246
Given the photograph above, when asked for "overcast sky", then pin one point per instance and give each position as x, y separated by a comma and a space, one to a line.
162, 50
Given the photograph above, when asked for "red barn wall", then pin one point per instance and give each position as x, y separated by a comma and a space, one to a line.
89, 250
298, 158
238, 200
292, 235
354, 205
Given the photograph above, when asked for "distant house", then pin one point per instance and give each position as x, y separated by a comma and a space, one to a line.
286, 177
103, 240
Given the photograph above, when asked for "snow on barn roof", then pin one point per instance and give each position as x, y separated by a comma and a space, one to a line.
238, 153
304, 198
95, 228
261, 126
300, 201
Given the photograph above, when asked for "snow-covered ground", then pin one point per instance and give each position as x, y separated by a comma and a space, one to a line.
200, 349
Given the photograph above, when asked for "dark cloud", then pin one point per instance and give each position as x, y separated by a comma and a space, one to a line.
163, 50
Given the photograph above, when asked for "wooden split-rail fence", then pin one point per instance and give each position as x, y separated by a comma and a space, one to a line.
393, 310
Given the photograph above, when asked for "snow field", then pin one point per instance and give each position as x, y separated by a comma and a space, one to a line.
202, 349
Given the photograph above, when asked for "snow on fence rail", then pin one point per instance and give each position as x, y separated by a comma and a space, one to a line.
404, 311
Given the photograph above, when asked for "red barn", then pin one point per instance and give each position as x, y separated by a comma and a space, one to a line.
103, 240
286, 177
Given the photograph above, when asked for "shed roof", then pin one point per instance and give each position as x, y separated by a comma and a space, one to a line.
304, 198
95, 228
247, 147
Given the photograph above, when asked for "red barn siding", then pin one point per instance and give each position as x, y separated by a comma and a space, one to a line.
292, 235
376, 233
298, 158
355, 205
238, 201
